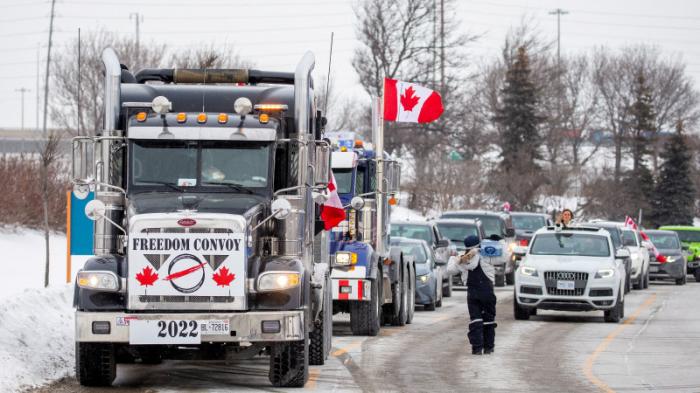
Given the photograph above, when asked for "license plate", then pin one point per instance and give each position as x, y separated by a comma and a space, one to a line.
653, 269
566, 284
215, 327
345, 289
145, 332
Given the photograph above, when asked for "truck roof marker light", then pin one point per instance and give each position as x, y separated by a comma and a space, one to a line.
271, 107
393, 201
202, 118
359, 143
181, 117
223, 118
343, 148
264, 118
141, 116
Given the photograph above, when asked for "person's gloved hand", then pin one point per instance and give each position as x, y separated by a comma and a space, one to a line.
466, 258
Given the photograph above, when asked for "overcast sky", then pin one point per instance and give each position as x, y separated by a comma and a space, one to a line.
275, 33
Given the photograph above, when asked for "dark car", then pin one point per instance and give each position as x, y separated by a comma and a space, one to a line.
428, 272
526, 224
616, 237
428, 231
497, 226
669, 245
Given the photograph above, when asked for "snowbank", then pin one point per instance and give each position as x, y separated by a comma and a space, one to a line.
36, 338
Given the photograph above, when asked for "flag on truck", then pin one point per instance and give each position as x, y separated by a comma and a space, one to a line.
629, 223
332, 212
410, 103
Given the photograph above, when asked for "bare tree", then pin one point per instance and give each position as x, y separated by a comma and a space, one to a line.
212, 56
64, 100
48, 155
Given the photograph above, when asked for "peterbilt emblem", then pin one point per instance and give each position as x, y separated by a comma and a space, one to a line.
186, 222
566, 275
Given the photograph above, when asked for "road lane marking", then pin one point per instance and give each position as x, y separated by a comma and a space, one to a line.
590, 361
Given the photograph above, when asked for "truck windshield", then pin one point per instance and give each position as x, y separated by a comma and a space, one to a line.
528, 223
193, 165
570, 244
458, 232
343, 179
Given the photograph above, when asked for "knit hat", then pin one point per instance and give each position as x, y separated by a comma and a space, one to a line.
471, 241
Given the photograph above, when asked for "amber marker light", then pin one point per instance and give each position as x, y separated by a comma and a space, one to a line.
141, 116
223, 118
202, 118
181, 117
264, 118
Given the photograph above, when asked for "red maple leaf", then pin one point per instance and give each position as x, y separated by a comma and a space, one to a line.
223, 277
147, 276
408, 99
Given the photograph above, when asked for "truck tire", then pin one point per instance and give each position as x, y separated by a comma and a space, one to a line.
289, 364
500, 280
411, 294
365, 317
510, 278
320, 337
521, 313
151, 356
616, 313
447, 289
402, 301
95, 364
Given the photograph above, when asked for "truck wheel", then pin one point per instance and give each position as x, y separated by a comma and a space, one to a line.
150, 356
95, 364
500, 280
447, 289
402, 304
411, 295
365, 316
289, 364
521, 313
615, 314
320, 343
510, 278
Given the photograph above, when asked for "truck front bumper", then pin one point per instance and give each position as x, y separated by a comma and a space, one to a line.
245, 327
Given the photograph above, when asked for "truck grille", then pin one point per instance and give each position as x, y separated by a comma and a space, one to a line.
186, 230
580, 280
185, 299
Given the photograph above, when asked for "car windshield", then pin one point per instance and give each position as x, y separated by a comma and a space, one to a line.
662, 240
414, 249
528, 223
570, 244
457, 232
194, 164
688, 236
492, 225
629, 238
421, 232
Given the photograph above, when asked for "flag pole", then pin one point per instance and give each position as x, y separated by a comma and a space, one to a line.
378, 140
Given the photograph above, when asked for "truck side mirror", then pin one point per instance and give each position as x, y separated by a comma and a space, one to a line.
322, 172
357, 203
95, 209
281, 208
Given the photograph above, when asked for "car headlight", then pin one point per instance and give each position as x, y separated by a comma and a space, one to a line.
423, 278
278, 281
345, 258
528, 271
671, 259
604, 273
98, 280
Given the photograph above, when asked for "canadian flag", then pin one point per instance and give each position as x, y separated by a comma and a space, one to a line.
629, 223
332, 212
410, 103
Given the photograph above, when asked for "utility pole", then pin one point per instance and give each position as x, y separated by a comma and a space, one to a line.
138, 18
38, 83
48, 63
558, 12
22, 91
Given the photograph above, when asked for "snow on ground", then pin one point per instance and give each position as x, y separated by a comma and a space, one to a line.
36, 323
400, 213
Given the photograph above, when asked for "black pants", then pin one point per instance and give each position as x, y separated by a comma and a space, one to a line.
482, 315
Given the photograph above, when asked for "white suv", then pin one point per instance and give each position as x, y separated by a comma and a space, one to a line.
571, 269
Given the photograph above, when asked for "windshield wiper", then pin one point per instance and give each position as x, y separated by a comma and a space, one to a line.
164, 183
234, 186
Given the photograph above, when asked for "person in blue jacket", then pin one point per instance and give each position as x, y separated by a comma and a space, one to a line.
478, 273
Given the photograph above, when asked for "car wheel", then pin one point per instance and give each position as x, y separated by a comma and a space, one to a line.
639, 284
510, 278
520, 313
430, 306
697, 275
628, 282
646, 280
500, 280
447, 289
614, 315
681, 281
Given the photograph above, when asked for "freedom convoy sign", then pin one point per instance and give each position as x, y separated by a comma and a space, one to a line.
175, 268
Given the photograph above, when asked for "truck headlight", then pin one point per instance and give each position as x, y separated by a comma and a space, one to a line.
528, 271
423, 278
278, 281
345, 258
98, 280
604, 273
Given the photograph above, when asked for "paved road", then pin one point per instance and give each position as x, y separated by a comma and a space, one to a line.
656, 348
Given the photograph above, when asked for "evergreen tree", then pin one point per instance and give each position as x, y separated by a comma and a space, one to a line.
674, 195
518, 176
